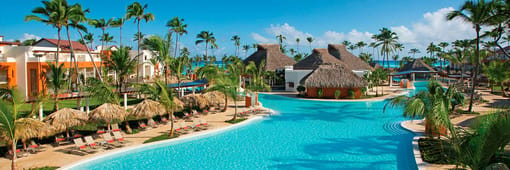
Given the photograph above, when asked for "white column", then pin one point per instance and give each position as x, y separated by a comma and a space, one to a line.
41, 112
125, 101
182, 91
413, 76
391, 80
193, 89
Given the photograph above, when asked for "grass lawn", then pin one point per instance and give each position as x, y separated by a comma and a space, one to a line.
236, 121
43, 168
161, 137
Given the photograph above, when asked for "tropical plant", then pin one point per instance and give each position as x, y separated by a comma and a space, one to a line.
165, 96
256, 74
122, 64
478, 13
387, 40
366, 57
137, 11
106, 38
280, 39
301, 89
178, 27
297, 43
119, 22
89, 39
497, 72
56, 80
320, 93
337, 94
346, 43
28, 42
12, 121
310, 40
177, 66
377, 77
237, 43
414, 51
205, 37
352, 94
160, 47
245, 49
361, 45
298, 57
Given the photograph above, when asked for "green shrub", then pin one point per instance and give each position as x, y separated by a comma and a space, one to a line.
319, 93
43, 168
161, 137
337, 94
301, 89
352, 94
236, 121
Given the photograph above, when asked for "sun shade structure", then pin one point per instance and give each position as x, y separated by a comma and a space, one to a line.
179, 104
341, 53
318, 57
65, 118
329, 78
417, 69
273, 56
27, 128
108, 113
195, 100
147, 109
214, 98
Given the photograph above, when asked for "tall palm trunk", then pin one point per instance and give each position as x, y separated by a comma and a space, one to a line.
503, 89
206, 48
13, 147
120, 35
176, 44
92, 59
477, 65
171, 116
58, 46
235, 106
73, 57
138, 57
226, 104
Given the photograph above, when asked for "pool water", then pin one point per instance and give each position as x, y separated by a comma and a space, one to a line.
301, 135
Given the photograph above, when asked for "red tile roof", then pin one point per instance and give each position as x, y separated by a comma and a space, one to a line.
64, 44
9, 43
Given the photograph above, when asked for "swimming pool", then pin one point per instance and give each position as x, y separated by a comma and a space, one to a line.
302, 135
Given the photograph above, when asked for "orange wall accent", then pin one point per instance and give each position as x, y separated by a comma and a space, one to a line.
11, 73
330, 92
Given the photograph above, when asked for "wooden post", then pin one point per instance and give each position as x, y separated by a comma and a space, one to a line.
88, 106
41, 112
125, 101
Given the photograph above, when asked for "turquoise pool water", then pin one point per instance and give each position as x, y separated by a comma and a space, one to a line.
301, 135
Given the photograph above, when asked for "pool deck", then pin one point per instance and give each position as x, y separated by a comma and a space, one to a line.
418, 126
57, 156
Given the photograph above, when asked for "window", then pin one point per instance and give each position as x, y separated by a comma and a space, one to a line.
291, 84
3, 76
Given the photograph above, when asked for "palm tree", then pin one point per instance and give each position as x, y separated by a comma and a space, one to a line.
177, 66
395, 57
122, 64
366, 57
346, 43
435, 104
119, 22
414, 51
387, 40
376, 78
297, 42
443, 46
245, 49
310, 40
103, 25
399, 48
205, 37
352, 48
12, 120
29, 42
178, 27
237, 43
106, 38
497, 72
161, 49
89, 39
361, 45
458, 57
52, 13
137, 11
165, 96
55, 79
431, 49
478, 14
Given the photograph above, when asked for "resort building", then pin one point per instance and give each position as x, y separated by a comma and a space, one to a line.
276, 61
499, 55
335, 54
146, 69
7, 65
415, 70
328, 79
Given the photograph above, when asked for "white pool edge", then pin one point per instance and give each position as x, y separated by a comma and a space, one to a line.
344, 100
197, 135
420, 163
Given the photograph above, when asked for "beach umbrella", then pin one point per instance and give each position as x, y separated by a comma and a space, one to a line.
195, 100
147, 109
179, 104
27, 128
214, 98
108, 113
65, 118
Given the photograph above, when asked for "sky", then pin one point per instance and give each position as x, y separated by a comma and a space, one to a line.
416, 22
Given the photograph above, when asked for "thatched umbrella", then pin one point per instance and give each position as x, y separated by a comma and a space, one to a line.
27, 128
65, 118
333, 76
195, 100
214, 98
147, 109
318, 57
108, 113
179, 104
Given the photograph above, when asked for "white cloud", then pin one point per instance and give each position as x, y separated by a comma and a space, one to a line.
433, 27
27, 36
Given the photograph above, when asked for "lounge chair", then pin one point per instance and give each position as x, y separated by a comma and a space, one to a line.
110, 141
184, 127
142, 125
78, 142
203, 122
115, 127
119, 138
19, 154
34, 147
196, 125
90, 142
152, 123
164, 120
61, 140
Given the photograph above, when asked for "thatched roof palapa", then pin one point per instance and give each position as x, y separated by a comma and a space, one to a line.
355, 63
179, 104
148, 109
214, 98
318, 57
27, 128
333, 76
274, 58
195, 100
108, 113
65, 118
417, 65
